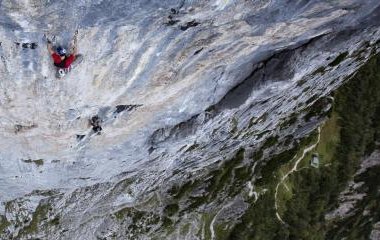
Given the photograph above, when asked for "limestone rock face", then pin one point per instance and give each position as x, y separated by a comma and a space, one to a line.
168, 92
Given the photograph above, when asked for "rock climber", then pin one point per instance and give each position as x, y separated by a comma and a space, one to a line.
61, 58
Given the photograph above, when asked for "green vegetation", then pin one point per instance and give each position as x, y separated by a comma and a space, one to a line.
360, 108
234, 124
228, 180
312, 99
259, 221
329, 140
317, 109
55, 221
257, 155
270, 167
140, 221
123, 213
290, 121
306, 89
270, 142
217, 180
222, 230
320, 70
267, 226
338, 59
171, 209
206, 219
39, 215
38, 162
350, 133
185, 229
301, 82
3, 223
260, 135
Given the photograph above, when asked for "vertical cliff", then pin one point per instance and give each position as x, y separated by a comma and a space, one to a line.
190, 120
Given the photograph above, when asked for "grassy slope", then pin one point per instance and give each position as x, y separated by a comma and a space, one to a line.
347, 136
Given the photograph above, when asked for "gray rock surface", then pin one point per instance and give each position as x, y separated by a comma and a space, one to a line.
176, 93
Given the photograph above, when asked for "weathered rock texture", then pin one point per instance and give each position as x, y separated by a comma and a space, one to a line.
157, 134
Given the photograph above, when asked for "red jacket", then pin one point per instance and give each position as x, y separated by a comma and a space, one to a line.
65, 63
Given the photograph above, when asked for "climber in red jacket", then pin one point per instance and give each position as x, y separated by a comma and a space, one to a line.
60, 57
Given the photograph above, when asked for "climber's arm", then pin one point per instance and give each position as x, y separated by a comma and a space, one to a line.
50, 48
